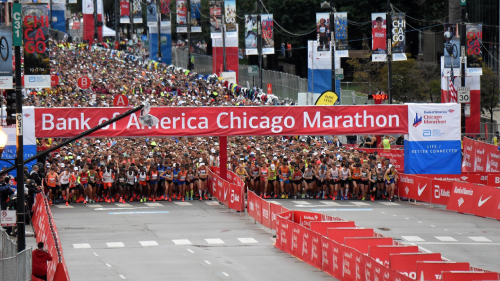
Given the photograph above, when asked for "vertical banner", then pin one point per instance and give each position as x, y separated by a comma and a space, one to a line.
232, 60
230, 18
36, 53
474, 38
399, 37
341, 45
215, 19
88, 20
137, 11
165, 10
58, 15
181, 10
452, 47
267, 34
379, 34
319, 68
6, 55
323, 31
124, 11
195, 15
165, 41
152, 18
433, 144
251, 35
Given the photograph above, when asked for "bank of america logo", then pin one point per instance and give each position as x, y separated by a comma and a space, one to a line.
417, 121
451, 110
460, 201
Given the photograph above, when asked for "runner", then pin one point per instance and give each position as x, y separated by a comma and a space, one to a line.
391, 178
334, 181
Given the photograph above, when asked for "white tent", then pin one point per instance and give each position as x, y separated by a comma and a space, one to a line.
106, 31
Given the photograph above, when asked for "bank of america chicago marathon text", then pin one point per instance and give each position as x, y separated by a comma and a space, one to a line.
231, 120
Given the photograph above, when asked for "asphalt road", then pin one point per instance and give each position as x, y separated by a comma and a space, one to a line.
202, 241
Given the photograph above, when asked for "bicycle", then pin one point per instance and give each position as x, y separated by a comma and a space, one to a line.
4, 48
451, 49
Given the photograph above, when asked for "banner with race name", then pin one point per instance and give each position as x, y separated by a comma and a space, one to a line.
228, 121
474, 38
124, 11
267, 34
137, 11
6, 67
432, 145
251, 35
230, 18
398, 37
36, 53
480, 157
151, 15
165, 10
341, 45
195, 15
379, 35
216, 19
181, 10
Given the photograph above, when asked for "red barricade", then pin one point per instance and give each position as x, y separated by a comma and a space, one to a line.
254, 206
350, 263
441, 191
396, 156
407, 263
466, 177
493, 179
339, 234
362, 244
480, 157
321, 227
46, 232
469, 276
414, 187
266, 214
236, 200
305, 218
332, 257
431, 270
475, 199
382, 254
275, 211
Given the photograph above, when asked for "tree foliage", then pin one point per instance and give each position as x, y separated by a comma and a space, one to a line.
490, 91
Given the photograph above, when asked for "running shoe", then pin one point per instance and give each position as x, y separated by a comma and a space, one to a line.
67, 204
191, 198
154, 200
131, 199
170, 199
206, 197
345, 198
341, 197
295, 197
149, 199
261, 195
113, 200
161, 198
275, 196
182, 199
174, 196
50, 202
57, 201
363, 199
200, 198
64, 197
373, 199
303, 196
282, 196
286, 196
84, 202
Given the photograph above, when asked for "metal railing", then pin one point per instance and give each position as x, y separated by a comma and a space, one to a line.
14, 266
202, 64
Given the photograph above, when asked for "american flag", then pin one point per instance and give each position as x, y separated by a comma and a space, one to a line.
453, 91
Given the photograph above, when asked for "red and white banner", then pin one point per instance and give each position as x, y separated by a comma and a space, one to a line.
229, 194
232, 60
469, 276
396, 156
339, 234
431, 270
480, 157
88, 20
407, 263
254, 206
362, 244
275, 210
322, 227
441, 192
382, 254
414, 187
475, 199
227, 121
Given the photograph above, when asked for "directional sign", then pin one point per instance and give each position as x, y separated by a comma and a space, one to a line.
120, 100
253, 70
84, 82
17, 32
463, 2
463, 94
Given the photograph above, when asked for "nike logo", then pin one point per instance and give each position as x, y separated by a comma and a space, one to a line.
481, 201
420, 190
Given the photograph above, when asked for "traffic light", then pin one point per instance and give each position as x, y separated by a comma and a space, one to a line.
11, 107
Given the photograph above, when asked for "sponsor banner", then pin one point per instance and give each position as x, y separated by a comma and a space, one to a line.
382, 253
323, 32
137, 11
165, 41
432, 157
452, 47
319, 67
331, 257
461, 199
236, 197
267, 24
441, 191
229, 194
88, 20
251, 35
474, 38
472, 178
341, 45
396, 156
254, 206
350, 265
469, 276
6, 67
165, 10
493, 180
379, 34
474, 199
151, 14
181, 11
314, 250
225, 121
407, 263
275, 210
297, 239
216, 19
398, 37
266, 214
469, 154
283, 233
230, 18
362, 244
414, 187
431, 270
322, 227
339, 234
36, 53
124, 11
195, 15
305, 218
480, 157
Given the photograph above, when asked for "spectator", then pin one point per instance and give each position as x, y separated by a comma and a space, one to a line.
40, 258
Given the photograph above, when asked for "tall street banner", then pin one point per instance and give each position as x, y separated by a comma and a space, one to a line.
452, 47
474, 38
6, 56
165, 41
399, 37
267, 34
88, 20
137, 11
165, 10
151, 17
251, 35
230, 18
341, 45
36, 54
124, 11
232, 61
319, 69
58, 15
379, 34
215, 19
323, 31
433, 144
181, 10
195, 15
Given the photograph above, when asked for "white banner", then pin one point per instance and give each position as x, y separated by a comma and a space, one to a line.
434, 122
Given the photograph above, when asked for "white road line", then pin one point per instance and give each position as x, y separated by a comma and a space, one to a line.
121, 205
207, 262
389, 203
479, 239
108, 265
214, 241
153, 204
81, 246
301, 202
94, 206
115, 244
360, 203
95, 254
412, 238
191, 251
212, 203
446, 238
183, 203
330, 203
122, 277
407, 218
248, 240
424, 249
432, 225
420, 222
383, 212
394, 215
456, 243
111, 209
182, 242
273, 239
225, 274
64, 206
148, 243
275, 202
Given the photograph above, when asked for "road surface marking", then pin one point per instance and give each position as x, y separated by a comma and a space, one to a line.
81, 246
248, 240
183, 203
154, 204
446, 238
212, 203
191, 251
479, 239
207, 262
148, 243
225, 274
389, 203
110, 209
122, 277
121, 205
301, 202
319, 210
94, 206
330, 203
144, 212
412, 238
95, 254
182, 242
360, 203
214, 241
108, 265
274, 202
115, 244
64, 206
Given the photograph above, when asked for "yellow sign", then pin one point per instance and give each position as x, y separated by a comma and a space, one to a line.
327, 98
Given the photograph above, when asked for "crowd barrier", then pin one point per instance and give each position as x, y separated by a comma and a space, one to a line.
480, 157
231, 194
349, 252
46, 232
396, 156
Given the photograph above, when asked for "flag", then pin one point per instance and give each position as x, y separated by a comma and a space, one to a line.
452, 90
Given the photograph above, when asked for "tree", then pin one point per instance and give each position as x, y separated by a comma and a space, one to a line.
431, 74
367, 74
407, 81
490, 90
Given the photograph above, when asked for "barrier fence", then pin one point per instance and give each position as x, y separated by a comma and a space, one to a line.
231, 194
8, 248
46, 232
349, 252
480, 157
16, 267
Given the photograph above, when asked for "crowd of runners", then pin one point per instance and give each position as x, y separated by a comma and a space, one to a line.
95, 170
